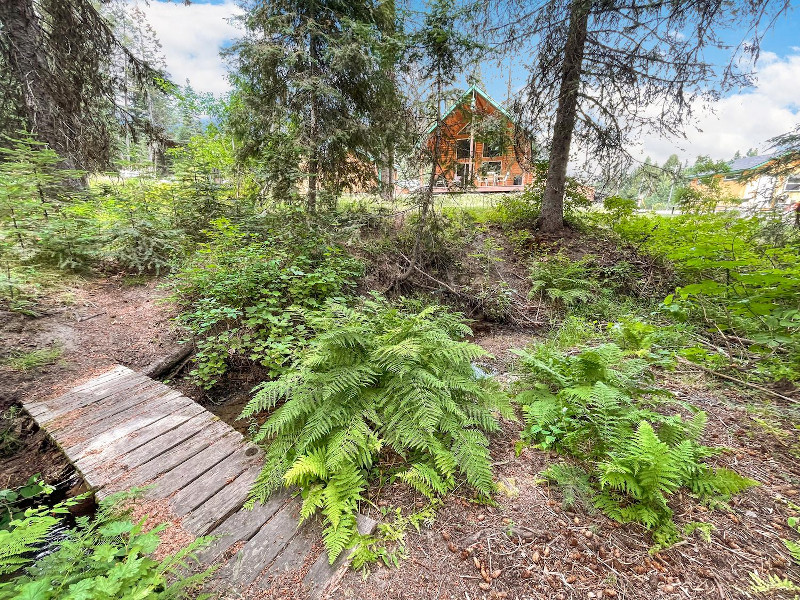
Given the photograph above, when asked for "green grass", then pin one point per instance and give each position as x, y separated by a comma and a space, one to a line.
35, 359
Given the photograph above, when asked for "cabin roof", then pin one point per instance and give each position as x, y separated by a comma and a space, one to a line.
464, 96
750, 162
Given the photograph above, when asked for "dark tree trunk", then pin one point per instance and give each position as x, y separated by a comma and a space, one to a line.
29, 64
552, 219
313, 176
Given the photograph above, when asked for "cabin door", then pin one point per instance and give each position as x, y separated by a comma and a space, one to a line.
463, 176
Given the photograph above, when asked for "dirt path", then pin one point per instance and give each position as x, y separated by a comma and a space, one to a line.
98, 324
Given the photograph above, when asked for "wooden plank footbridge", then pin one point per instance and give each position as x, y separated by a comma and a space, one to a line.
123, 430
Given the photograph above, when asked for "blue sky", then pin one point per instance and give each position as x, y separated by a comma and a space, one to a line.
192, 36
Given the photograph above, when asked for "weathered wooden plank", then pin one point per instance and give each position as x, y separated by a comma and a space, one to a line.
39, 405
135, 433
158, 399
104, 472
91, 398
183, 474
92, 388
124, 430
86, 417
297, 550
81, 441
322, 575
153, 449
178, 456
262, 549
242, 526
216, 478
118, 441
70, 401
223, 504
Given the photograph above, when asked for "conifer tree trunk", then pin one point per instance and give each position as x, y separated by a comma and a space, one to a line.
552, 218
22, 27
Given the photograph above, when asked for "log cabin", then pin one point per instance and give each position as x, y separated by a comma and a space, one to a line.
481, 148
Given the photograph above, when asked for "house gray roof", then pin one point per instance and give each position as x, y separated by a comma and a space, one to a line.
750, 162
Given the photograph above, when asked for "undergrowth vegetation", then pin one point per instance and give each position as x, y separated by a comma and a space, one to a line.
379, 388
740, 279
105, 557
634, 444
244, 297
140, 225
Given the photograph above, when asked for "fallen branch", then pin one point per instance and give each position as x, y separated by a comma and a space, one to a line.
167, 363
82, 319
739, 381
414, 267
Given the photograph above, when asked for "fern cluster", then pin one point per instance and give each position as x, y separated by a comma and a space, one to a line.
563, 281
107, 557
599, 406
377, 382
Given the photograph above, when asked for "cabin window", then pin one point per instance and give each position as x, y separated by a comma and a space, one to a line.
493, 166
792, 184
492, 149
462, 148
517, 179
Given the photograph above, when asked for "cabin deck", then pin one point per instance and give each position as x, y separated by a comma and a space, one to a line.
481, 189
123, 429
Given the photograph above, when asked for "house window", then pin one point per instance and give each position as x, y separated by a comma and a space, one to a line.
491, 150
792, 184
517, 179
462, 148
493, 166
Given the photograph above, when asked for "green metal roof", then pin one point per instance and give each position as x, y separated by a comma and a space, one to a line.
477, 90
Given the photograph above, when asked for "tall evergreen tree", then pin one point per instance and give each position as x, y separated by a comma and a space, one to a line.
315, 95
58, 84
443, 51
600, 67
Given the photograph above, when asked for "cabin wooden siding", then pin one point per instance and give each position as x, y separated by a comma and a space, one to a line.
455, 127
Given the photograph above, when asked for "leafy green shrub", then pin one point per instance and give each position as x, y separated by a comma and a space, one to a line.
142, 230
598, 406
245, 299
373, 382
523, 210
42, 220
11, 499
108, 557
618, 207
740, 278
517, 210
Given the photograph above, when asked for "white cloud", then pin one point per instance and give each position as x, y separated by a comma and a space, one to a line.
192, 37
740, 121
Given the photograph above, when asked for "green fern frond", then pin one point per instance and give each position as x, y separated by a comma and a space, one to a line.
377, 377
